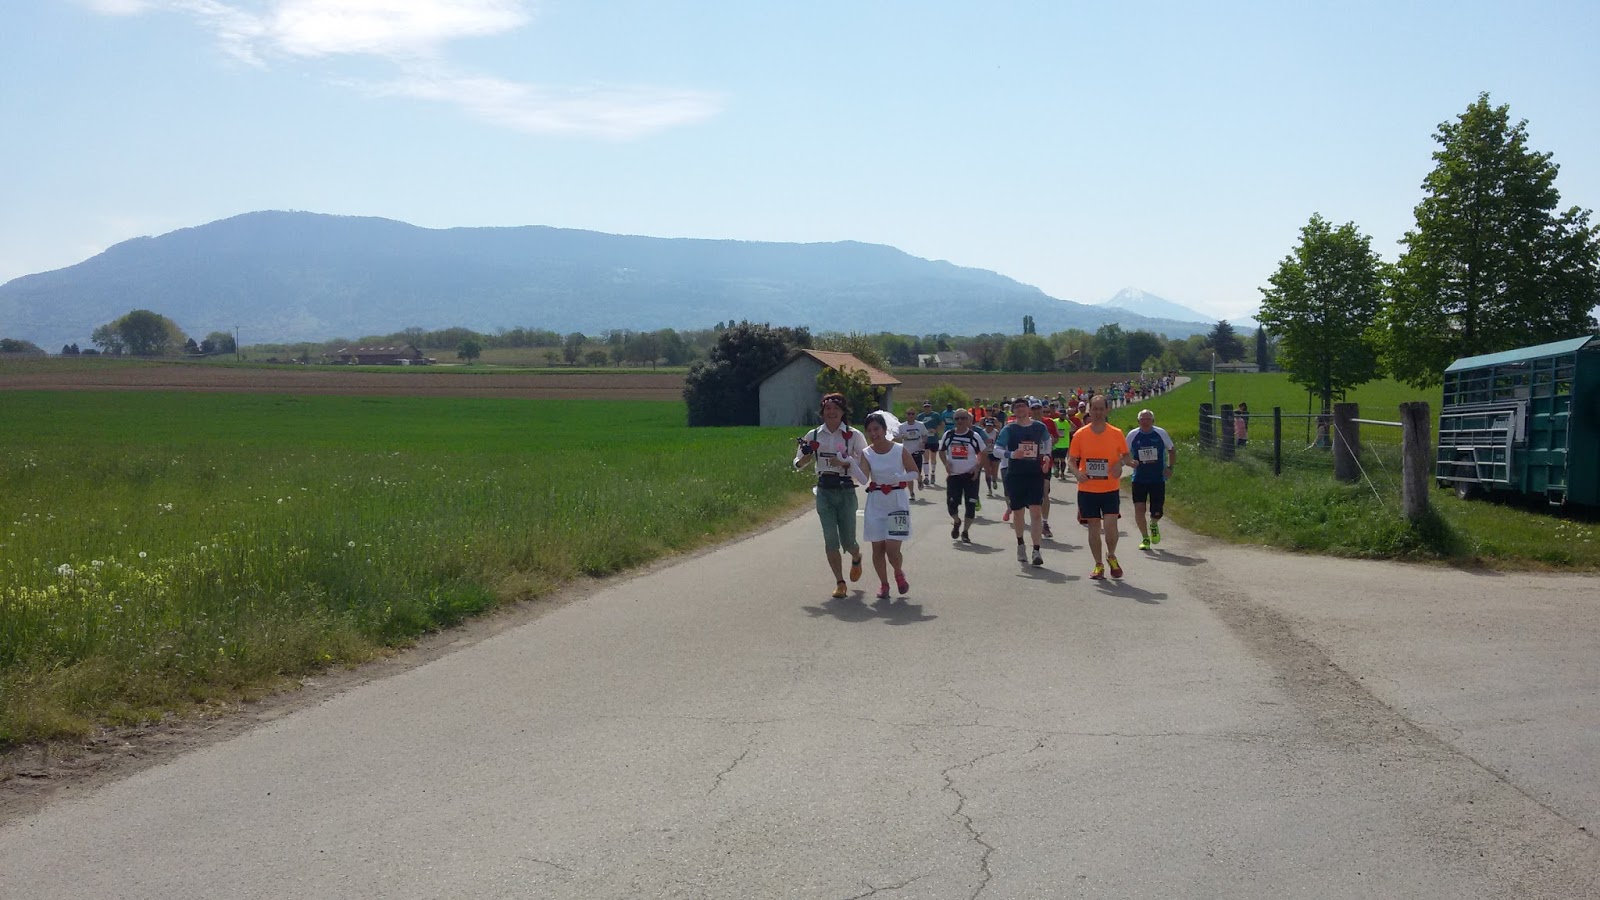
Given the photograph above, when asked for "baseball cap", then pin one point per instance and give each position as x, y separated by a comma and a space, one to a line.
1035, 403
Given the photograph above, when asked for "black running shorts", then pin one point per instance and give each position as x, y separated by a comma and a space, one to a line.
1098, 505
1024, 491
1154, 493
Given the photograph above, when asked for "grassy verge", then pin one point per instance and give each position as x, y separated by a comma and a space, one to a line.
159, 550
1305, 509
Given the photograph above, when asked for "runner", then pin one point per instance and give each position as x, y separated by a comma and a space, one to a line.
1036, 406
1153, 453
991, 459
1058, 450
1023, 445
830, 447
911, 434
887, 467
932, 425
1098, 453
962, 450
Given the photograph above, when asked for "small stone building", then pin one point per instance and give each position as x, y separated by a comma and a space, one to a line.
789, 394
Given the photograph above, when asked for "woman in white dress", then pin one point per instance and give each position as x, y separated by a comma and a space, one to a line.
889, 472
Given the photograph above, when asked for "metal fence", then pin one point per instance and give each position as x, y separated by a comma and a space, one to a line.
1278, 441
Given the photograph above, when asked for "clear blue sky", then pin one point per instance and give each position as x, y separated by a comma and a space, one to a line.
1178, 147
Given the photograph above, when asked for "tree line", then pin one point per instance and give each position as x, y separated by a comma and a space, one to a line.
1491, 264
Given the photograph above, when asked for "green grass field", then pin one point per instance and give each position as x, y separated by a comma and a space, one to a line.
1305, 509
160, 549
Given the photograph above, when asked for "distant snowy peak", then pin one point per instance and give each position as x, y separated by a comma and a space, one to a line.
1145, 303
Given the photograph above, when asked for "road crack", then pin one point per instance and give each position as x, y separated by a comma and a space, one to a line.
960, 815
874, 891
731, 766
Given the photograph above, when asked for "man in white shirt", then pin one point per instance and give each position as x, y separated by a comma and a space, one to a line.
961, 450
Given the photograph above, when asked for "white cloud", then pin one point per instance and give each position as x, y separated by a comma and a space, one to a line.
602, 112
411, 33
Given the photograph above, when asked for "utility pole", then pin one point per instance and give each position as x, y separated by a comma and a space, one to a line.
236, 354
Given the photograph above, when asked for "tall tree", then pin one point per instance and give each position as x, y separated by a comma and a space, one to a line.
1225, 342
572, 347
146, 333
1263, 348
469, 350
1491, 264
1322, 301
723, 389
1110, 348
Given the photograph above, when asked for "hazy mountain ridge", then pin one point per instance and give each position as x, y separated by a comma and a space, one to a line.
291, 276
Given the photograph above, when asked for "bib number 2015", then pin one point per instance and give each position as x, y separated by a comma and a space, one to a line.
1097, 468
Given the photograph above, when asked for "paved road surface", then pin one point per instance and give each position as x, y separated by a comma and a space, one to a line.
1223, 723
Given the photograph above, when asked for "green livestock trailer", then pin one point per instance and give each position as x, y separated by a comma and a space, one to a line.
1524, 422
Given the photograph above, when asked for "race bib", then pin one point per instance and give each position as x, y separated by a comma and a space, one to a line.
900, 524
959, 451
1026, 450
1149, 454
1097, 468
832, 461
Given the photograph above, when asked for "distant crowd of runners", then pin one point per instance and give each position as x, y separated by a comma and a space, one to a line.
1019, 445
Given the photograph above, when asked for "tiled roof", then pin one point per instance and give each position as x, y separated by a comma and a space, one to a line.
835, 360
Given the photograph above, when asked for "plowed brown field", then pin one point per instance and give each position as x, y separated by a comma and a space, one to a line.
318, 380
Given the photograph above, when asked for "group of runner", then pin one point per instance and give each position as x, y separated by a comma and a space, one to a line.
1021, 445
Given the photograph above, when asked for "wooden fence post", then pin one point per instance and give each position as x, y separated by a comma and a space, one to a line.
1225, 437
1277, 440
1208, 435
1346, 442
1416, 458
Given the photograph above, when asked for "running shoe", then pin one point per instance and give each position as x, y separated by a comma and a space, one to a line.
1116, 567
1155, 532
901, 583
966, 538
1006, 517
840, 591
1144, 544
1099, 572
1047, 532
855, 569
1022, 553
1038, 559
883, 591
955, 530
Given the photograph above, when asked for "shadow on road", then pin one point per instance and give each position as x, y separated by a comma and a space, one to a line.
852, 609
981, 549
1176, 558
1124, 589
1050, 575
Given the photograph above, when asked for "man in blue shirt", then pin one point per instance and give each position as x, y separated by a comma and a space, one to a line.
1153, 452
1025, 445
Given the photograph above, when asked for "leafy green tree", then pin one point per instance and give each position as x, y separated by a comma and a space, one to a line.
897, 349
469, 351
1028, 353
1225, 342
189, 346
572, 347
17, 345
858, 345
108, 339
1028, 327
1491, 264
860, 396
143, 333
945, 393
1142, 345
1322, 301
596, 358
723, 389
1110, 348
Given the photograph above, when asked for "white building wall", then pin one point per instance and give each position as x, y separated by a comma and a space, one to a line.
790, 397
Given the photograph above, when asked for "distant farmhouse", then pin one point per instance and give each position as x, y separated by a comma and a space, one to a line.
946, 359
403, 355
789, 393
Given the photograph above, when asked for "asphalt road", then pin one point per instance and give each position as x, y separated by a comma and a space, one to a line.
1222, 723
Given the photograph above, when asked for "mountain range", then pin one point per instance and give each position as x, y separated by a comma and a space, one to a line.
299, 276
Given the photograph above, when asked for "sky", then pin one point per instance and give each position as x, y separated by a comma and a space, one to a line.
1082, 148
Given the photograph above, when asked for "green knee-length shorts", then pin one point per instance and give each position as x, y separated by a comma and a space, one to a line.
836, 507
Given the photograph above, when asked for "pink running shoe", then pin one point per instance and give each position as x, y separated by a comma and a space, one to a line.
901, 583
